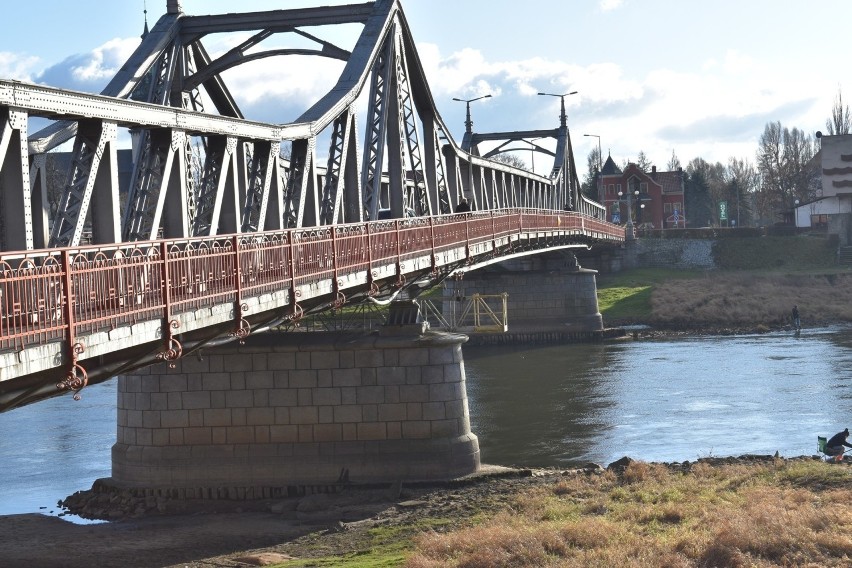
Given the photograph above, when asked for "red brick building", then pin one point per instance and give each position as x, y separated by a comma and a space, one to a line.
661, 193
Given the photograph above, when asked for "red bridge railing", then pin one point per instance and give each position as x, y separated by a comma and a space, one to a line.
60, 294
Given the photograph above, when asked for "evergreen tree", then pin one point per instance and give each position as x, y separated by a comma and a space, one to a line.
589, 186
698, 203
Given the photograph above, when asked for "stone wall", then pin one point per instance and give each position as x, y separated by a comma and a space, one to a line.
298, 409
671, 253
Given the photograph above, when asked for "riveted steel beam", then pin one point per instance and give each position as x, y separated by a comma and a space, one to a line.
16, 202
94, 144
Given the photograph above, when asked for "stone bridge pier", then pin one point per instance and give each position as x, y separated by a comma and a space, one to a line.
296, 410
545, 293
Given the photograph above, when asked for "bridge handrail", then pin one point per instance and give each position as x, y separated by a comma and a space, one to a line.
58, 294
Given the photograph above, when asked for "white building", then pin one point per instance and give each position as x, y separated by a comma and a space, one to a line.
834, 207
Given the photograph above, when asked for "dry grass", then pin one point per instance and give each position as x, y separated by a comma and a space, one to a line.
796, 513
738, 299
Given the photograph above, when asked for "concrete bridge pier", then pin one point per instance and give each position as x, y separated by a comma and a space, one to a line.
299, 409
546, 293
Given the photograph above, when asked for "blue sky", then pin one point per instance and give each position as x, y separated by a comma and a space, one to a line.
697, 78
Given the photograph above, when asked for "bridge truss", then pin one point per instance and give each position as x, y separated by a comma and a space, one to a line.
204, 171
246, 237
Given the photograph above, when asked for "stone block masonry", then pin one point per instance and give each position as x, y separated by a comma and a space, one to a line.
303, 409
551, 300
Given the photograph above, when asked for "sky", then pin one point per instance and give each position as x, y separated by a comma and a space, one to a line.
663, 77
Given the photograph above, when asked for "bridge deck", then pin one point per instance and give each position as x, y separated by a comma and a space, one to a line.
63, 310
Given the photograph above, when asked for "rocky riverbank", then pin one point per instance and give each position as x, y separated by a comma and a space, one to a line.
148, 532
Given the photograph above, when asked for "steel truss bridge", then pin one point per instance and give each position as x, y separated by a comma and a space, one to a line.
217, 235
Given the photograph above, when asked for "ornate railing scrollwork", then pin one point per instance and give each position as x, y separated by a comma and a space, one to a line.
243, 328
173, 350
76, 378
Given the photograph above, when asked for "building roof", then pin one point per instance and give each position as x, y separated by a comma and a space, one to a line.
672, 182
609, 167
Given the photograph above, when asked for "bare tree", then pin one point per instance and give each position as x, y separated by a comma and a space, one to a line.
510, 160
742, 180
674, 163
784, 160
840, 121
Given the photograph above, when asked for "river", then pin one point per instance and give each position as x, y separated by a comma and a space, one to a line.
655, 400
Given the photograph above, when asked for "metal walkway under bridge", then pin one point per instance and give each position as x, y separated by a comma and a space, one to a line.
214, 234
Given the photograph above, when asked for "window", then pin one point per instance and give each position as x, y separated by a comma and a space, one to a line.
611, 189
678, 207
820, 221
667, 208
619, 187
643, 187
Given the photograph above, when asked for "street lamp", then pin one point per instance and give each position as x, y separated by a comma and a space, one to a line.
468, 123
629, 225
563, 118
532, 151
796, 213
600, 158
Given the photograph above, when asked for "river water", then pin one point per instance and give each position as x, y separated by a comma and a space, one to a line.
655, 400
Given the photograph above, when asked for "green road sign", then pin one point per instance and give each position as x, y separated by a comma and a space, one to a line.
723, 210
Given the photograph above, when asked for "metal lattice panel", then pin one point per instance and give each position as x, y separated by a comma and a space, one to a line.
418, 199
89, 147
260, 164
332, 194
377, 112
301, 185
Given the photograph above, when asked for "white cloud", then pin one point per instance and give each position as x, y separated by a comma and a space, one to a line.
610, 5
105, 60
738, 64
90, 71
17, 66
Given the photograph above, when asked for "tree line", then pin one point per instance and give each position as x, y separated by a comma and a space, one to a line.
757, 193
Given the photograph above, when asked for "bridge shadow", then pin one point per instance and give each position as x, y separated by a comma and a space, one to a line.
187, 531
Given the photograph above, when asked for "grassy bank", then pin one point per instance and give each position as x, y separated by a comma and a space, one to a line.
738, 299
756, 287
715, 512
781, 514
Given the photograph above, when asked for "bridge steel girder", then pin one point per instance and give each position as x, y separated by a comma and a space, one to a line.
160, 188
245, 186
426, 174
92, 181
341, 196
40, 206
16, 200
301, 197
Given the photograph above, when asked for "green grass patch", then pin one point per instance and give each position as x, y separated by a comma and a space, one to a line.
365, 559
385, 547
621, 302
627, 294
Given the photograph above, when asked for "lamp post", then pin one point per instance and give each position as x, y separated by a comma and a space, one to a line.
533, 146
796, 213
630, 235
600, 158
466, 145
468, 123
600, 161
563, 118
